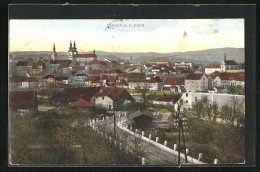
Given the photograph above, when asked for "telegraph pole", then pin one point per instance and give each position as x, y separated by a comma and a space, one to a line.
114, 108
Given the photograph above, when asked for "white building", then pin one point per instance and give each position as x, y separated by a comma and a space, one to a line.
30, 83
221, 99
211, 68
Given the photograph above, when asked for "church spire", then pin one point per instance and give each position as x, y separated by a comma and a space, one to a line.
94, 52
225, 57
74, 44
70, 44
54, 50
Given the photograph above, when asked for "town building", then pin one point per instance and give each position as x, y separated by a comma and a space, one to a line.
183, 65
174, 84
23, 101
211, 68
72, 51
30, 83
228, 64
221, 99
168, 99
196, 82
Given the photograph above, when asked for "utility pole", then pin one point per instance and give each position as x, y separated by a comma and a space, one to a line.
114, 108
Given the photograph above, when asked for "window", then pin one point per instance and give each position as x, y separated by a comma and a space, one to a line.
102, 98
186, 101
187, 94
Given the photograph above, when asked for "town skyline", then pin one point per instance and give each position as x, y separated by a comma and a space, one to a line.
160, 36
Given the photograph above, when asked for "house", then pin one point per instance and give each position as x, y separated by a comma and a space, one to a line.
30, 83
96, 72
122, 84
108, 96
196, 82
221, 99
156, 69
228, 65
71, 95
211, 68
59, 65
172, 83
93, 81
140, 120
114, 72
96, 64
60, 80
47, 81
23, 101
168, 99
85, 58
135, 76
183, 65
225, 79
137, 83
158, 62
155, 84
23, 67
78, 78
81, 103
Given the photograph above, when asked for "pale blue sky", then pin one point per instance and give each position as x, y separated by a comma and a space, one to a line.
160, 35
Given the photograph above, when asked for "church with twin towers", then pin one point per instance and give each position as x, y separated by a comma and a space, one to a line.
73, 54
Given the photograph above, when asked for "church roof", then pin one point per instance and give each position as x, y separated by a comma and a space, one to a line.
84, 55
230, 62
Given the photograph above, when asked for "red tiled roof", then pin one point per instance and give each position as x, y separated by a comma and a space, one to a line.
30, 79
114, 71
78, 68
40, 63
156, 67
122, 83
193, 76
95, 72
95, 62
21, 98
62, 63
213, 66
135, 75
155, 80
230, 62
84, 55
93, 78
81, 103
23, 63
174, 80
169, 98
74, 94
240, 76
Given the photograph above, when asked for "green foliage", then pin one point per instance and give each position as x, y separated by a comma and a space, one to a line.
236, 89
48, 139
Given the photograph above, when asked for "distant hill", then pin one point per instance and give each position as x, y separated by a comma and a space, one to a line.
202, 56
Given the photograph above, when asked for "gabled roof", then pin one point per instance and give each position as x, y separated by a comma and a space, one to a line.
95, 72
193, 76
81, 103
114, 71
230, 62
111, 95
93, 78
174, 80
122, 83
21, 98
78, 68
135, 75
74, 94
155, 80
62, 63
30, 79
95, 62
24, 63
40, 62
84, 55
169, 98
213, 66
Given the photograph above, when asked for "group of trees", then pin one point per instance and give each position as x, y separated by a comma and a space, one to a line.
236, 89
230, 113
48, 138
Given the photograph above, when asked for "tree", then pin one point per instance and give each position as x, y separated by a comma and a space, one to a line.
234, 111
145, 96
236, 89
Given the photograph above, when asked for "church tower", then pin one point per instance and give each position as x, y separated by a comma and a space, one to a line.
72, 50
53, 53
223, 64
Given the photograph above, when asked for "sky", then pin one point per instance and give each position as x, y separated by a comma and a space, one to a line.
160, 35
